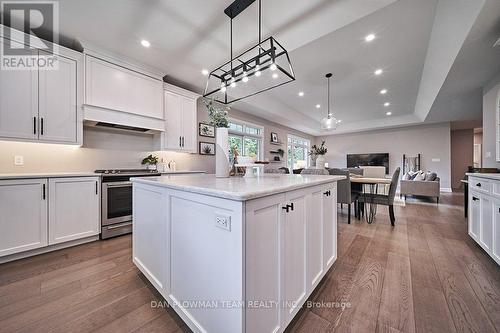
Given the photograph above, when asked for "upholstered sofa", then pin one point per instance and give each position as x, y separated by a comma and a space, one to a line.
425, 188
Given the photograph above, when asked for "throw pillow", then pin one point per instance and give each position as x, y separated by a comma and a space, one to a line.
413, 175
431, 176
420, 176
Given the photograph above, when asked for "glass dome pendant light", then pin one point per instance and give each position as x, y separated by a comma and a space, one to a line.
329, 122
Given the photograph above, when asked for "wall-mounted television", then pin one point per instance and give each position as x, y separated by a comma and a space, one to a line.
357, 160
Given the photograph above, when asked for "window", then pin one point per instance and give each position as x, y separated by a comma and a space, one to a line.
298, 150
246, 137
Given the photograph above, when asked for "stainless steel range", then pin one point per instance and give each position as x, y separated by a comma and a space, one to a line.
116, 207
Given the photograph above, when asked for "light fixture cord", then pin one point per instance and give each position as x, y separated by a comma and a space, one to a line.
231, 47
328, 97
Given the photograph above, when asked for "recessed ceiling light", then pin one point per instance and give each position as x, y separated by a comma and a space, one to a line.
301, 93
275, 75
378, 71
339, 121
388, 113
318, 106
204, 71
370, 37
383, 91
386, 104
273, 66
145, 43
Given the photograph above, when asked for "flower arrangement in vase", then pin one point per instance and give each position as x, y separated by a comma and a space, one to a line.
319, 154
217, 115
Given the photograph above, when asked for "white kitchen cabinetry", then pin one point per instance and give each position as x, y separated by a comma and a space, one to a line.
58, 102
42, 212
484, 216
19, 101
180, 120
74, 208
23, 221
43, 105
269, 252
114, 87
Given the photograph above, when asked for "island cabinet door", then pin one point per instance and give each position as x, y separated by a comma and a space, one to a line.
329, 226
495, 252
150, 235
315, 212
293, 248
263, 224
474, 215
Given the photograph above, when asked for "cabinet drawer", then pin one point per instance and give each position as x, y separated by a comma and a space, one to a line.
480, 185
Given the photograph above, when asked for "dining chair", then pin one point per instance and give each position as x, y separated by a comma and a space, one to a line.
345, 194
384, 199
311, 171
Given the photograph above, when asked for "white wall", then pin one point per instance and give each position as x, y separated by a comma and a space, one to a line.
431, 141
106, 149
490, 104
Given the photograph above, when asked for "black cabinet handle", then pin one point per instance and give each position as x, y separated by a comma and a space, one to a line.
43, 191
326, 193
475, 199
291, 206
34, 125
478, 184
180, 142
96, 190
41, 124
286, 208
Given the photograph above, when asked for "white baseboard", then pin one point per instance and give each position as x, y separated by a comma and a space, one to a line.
46, 249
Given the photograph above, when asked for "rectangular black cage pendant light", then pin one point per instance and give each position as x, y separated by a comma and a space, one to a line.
262, 67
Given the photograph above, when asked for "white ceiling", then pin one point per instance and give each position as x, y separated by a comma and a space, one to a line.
413, 39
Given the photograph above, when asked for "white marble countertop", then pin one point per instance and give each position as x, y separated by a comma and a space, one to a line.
494, 176
238, 188
5, 176
47, 175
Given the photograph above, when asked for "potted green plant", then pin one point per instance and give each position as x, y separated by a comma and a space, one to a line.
217, 115
319, 153
150, 161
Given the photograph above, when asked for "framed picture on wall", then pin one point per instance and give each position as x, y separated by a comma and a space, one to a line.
207, 148
206, 130
274, 137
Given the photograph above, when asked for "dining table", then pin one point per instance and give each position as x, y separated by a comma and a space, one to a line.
372, 185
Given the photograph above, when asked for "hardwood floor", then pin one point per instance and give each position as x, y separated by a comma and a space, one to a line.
424, 275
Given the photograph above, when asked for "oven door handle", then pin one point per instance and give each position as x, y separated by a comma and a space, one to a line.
117, 184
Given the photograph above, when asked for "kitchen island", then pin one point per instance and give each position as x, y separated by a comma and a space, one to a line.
235, 254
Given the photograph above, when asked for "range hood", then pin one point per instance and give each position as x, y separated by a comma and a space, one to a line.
123, 121
119, 127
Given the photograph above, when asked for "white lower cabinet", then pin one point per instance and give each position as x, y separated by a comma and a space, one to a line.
294, 253
40, 212
74, 208
495, 250
23, 218
484, 215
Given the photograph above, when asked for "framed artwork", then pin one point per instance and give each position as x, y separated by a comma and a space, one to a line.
206, 130
207, 148
274, 137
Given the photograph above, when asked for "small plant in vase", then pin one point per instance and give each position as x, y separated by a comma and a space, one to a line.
217, 115
319, 153
150, 161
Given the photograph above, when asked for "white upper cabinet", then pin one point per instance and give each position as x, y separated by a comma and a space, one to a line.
58, 103
23, 222
19, 102
43, 105
74, 208
114, 87
180, 120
